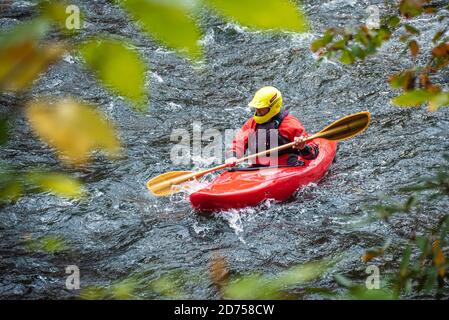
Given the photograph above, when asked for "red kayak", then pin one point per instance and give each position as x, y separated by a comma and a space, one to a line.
242, 188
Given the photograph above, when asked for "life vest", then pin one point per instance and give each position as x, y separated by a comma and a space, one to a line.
261, 140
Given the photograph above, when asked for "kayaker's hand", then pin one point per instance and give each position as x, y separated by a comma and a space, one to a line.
298, 144
231, 161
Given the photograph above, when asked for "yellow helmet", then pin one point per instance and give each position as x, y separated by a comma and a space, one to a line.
266, 97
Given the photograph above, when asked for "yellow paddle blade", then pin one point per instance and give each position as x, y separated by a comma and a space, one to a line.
162, 185
346, 127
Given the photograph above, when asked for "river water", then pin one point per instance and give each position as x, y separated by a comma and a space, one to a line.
119, 229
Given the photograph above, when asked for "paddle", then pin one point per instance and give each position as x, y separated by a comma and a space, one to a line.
339, 130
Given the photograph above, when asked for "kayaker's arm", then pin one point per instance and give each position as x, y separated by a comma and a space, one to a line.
309, 152
240, 143
290, 129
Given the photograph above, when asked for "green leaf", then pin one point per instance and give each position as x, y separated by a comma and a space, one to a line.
53, 244
168, 286
438, 101
118, 67
343, 281
93, 293
251, 287
405, 261
302, 273
431, 277
411, 30
383, 34
346, 57
10, 190
31, 30
48, 244
401, 80
257, 286
323, 41
3, 130
413, 98
394, 21
169, 23
358, 52
57, 183
362, 37
438, 36
265, 15
124, 290
371, 48
362, 293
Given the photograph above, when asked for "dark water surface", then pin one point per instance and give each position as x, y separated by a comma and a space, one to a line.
120, 229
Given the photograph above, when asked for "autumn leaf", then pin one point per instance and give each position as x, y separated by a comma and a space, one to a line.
75, 129
124, 290
323, 41
394, 21
441, 50
412, 30
24, 62
414, 48
219, 271
411, 8
371, 254
347, 57
10, 190
438, 258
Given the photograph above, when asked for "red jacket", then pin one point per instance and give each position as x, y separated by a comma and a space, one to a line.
289, 128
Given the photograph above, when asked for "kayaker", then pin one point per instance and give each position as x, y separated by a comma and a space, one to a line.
269, 127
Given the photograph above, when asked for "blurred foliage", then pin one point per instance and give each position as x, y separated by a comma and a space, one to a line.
73, 128
423, 265
375, 252
437, 185
259, 286
138, 286
22, 58
14, 183
169, 285
351, 45
384, 212
174, 284
265, 15
118, 67
11, 187
56, 183
169, 22
361, 292
48, 244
